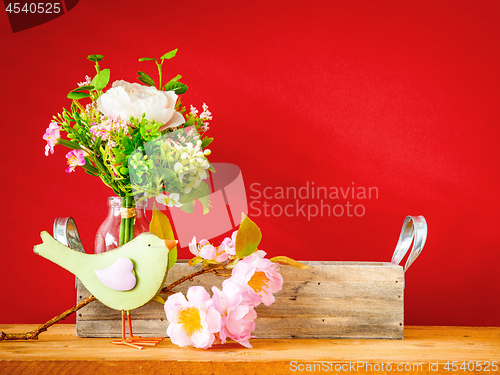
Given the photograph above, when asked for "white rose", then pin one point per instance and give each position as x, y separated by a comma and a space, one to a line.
126, 99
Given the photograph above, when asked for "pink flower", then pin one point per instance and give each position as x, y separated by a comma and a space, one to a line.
228, 244
193, 321
87, 82
237, 316
207, 251
51, 135
257, 277
75, 158
206, 114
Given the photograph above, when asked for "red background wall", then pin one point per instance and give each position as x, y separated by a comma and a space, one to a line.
398, 95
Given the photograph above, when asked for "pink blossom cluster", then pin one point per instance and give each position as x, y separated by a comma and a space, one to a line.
87, 82
52, 134
200, 320
205, 116
204, 250
108, 125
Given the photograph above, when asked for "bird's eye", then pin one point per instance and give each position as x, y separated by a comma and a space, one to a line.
149, 244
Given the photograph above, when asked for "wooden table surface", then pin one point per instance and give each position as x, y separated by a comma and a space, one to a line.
424, 350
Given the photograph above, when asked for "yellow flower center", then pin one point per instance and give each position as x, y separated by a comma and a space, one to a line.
190, 319
72, 160
258, 282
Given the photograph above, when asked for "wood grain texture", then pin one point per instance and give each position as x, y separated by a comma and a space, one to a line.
331, 300
59, 351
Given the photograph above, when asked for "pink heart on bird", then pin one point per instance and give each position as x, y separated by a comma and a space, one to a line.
119, 275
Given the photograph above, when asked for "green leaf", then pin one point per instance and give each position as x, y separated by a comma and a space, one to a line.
169, 55
176, 78
127, 143
206, 141
147, 59
166, 174
101, 80
203, 195
69, 144
95, 58
161, 227
247, 238
90, 173
187, 207
289, 262
159, 299
82, 88
146, 79
195, 261
75, 95
177, 87
172, 258
90, 169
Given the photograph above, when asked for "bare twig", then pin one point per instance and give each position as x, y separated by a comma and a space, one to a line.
214, 270
33, 335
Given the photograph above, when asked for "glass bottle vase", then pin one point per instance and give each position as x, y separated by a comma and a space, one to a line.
108, 234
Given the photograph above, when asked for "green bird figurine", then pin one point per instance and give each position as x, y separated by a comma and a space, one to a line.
124, 278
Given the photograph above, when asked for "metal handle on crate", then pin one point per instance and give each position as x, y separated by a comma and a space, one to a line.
414, 229
65, 232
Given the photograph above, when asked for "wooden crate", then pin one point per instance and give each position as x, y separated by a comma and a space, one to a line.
330, 300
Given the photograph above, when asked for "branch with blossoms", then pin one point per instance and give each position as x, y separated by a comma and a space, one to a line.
201, 320
139, 139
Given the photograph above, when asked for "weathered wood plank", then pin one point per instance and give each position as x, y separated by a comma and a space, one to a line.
331, 300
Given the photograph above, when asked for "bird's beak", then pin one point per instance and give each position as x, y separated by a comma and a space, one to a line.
170, 244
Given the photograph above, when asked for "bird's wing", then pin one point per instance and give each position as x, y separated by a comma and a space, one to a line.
119, 276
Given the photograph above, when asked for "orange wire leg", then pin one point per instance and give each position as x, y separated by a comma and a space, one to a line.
146, 341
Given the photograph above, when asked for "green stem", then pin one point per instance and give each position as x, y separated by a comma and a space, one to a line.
122, 232
127, 223
159, 73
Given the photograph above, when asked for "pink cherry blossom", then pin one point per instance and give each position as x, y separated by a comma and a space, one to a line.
257, 277
237, 316
228, 244
193, 321
75, 158
51, 135
207, 251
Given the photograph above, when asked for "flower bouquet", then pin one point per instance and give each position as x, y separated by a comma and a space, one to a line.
142, 142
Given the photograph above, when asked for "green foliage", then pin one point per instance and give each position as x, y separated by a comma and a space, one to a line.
146, 79
160, 226
76, 95
176, 78
206, 141
83, 88
169, 55
178, 87
95, 58
248, 238
283, 260
101, 79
